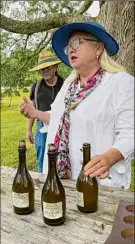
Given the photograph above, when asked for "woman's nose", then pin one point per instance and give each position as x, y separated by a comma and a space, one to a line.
72, 51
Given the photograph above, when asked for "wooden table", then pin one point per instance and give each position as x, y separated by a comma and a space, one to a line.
79, 228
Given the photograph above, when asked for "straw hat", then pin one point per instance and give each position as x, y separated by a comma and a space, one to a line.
46, 59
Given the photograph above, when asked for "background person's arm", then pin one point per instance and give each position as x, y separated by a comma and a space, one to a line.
29, 133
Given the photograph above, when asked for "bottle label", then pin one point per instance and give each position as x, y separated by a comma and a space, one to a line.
52, 210
20, 200
80, 199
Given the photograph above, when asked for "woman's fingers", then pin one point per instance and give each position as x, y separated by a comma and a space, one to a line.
25, 107
26, 112
97, 172
105, 175
98, 165
93, 162
68, 173
22, 107
95, 168
25, 100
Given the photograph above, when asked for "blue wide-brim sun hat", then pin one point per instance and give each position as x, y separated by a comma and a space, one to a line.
61, 38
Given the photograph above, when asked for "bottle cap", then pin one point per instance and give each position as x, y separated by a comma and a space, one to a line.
51, 147
86, 144
22, 144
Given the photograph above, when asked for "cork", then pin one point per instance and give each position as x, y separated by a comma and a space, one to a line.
51, 147
22, 144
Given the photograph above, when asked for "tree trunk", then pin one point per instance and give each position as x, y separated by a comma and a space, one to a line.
10, 101
118, 18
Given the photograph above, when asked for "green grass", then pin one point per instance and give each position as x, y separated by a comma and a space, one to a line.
132, 185
13, 128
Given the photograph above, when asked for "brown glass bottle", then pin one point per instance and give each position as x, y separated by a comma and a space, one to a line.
23, 186
87, 188
53, 194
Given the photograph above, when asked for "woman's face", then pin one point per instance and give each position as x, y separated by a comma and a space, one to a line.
83, 50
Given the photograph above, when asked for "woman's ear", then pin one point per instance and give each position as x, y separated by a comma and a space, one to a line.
100, 49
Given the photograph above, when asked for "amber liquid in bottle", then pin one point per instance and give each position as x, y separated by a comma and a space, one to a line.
23, 186
53, 194
87, 188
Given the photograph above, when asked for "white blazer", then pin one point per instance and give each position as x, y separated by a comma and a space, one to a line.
105, 119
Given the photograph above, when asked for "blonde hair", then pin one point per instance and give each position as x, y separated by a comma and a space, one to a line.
108, 64
71, 76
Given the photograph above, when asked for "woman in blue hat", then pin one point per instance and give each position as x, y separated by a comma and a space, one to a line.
94, 105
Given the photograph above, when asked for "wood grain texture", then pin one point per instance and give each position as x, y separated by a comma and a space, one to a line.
79, 228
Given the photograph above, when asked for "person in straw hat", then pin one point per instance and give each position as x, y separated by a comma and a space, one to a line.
42, 95
94, 105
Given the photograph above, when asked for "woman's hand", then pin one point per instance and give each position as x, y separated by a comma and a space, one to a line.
68, 174
98, 166
27, 109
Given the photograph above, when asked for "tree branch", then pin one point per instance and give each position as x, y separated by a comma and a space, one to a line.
15, 41
39, 48
26, 41
85, 6
101, 3
42, 41
38, 25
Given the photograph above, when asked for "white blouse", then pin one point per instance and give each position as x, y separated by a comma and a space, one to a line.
105, 119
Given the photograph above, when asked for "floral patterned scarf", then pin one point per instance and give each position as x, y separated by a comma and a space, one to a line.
72, 99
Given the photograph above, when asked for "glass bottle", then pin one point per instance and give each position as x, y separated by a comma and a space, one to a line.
87, 187
23, 186
53, 198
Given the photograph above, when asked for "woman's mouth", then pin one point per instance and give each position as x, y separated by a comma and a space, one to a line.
73, 58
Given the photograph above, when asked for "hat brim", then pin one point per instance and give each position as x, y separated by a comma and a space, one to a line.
61, 37
45, 65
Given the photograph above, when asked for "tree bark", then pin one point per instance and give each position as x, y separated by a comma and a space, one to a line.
10, 101
118, 18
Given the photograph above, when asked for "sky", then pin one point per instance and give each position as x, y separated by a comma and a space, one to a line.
93, 11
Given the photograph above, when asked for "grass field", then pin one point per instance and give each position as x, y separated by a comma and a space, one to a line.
13, 128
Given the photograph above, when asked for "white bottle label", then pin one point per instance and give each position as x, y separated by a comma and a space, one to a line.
52, 210
20, 200
80, 199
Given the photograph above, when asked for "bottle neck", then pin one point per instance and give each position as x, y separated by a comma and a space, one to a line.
86, 155
22, 159
52, 159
